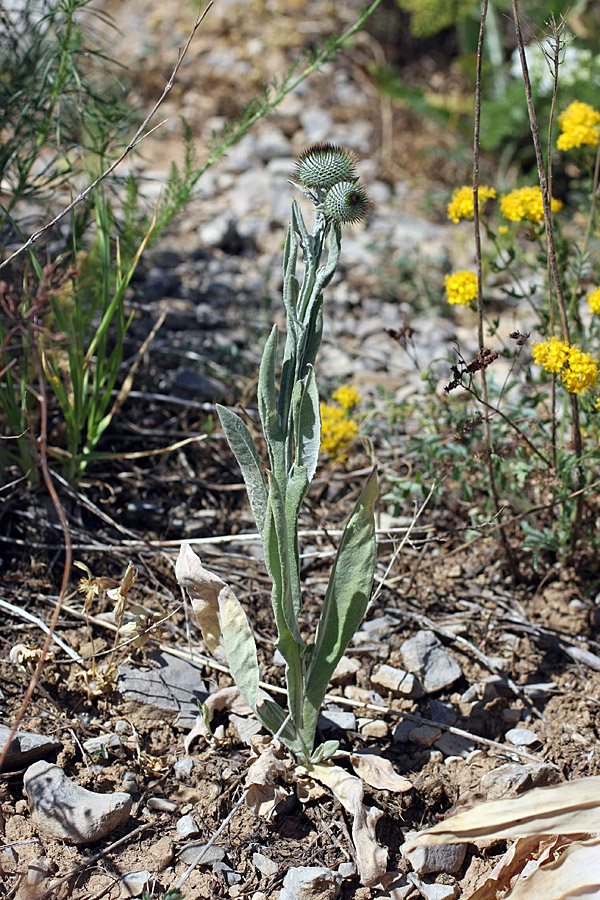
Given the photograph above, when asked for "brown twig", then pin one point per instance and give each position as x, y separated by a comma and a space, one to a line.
68, 548
553, 261
508, 550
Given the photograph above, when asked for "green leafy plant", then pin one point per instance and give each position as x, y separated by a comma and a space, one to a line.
291, 429
63, 324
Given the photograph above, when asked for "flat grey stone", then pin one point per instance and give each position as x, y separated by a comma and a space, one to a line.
442, 713
173, 685
337, 720
187, 827
434, 858
189, 853
133, 884
65, 811
25, 748
230, 875
345, 670
522, 737
436, 891
398, 681
101, 742
425, 657
424, 735
265, 865
347, 869
311, 883
512, 779
183, 768
454, 745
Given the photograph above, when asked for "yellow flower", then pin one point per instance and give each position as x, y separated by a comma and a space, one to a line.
525, 203
581, 372
503, 229
338, 429
461, 204
461, 287
579, 124
551, 355
593, 299
347, 396
577, 369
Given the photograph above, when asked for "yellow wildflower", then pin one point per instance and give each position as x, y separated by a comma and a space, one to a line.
581, 372
461, 204
503, 229
593, 300
579, 124
347, 396
461, 287
551, 355
526, 203
577, 369
338, 429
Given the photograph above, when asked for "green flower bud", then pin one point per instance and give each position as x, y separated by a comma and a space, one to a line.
346, 203
323, 165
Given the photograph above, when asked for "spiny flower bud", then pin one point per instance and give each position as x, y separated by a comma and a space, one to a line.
346, 203
323, 165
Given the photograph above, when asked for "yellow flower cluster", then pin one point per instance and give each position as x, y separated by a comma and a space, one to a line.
551, 355
461, 287
577, 369
338, 428
579, 124
461, 204
347, 396
593, 300
525, 203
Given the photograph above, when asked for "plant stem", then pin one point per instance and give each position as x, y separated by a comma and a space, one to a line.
553, 263
508, 551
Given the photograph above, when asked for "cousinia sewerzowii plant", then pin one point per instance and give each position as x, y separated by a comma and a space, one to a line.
291, 427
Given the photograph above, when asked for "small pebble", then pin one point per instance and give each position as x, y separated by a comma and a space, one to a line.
189, 853
161, 804
183, 768
187, 827
265, 865
434, 858
522, 737
134, 883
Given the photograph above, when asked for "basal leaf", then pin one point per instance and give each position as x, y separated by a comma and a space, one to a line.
345, 602
244, 450
239, 644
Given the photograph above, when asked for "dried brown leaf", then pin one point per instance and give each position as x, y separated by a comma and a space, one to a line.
569, 808
370, 856
378, 773
262, 792
203, 588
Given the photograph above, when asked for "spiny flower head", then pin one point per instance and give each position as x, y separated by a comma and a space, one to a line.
593, 299
579, 124
461, 287
346, 203
323, 165
526, 203
461, 204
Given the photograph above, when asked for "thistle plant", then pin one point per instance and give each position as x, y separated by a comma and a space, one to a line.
291, 428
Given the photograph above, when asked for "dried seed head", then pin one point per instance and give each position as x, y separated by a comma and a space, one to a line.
323, 165
346, 203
